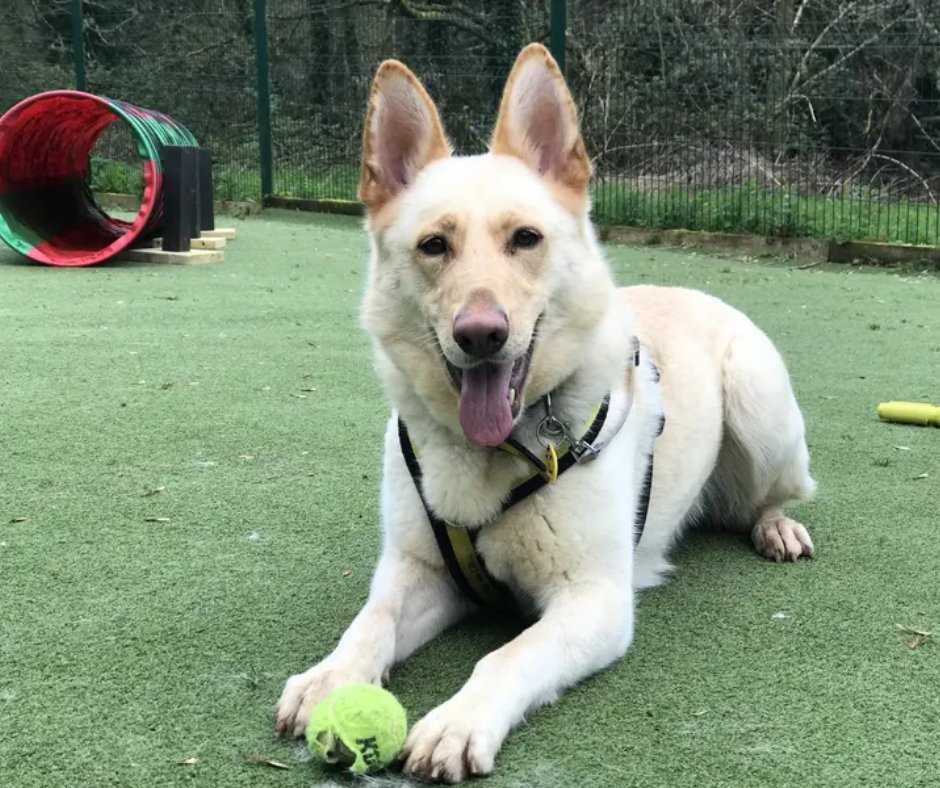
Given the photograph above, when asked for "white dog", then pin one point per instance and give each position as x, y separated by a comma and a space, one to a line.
529, 396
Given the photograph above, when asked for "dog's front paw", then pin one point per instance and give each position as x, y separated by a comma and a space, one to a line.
304, 691
782, 539
455, 741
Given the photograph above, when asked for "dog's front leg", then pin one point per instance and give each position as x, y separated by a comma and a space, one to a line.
584, 628
410, 602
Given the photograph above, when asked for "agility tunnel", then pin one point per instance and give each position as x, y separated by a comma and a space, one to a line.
47, 210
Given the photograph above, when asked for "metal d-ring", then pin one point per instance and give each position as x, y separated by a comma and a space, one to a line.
551, 430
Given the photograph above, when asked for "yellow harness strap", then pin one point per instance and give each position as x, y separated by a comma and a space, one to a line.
457, 545
470, 564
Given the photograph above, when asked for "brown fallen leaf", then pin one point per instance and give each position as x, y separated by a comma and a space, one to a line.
153, 491
257, 759
347, 572
921, 635
188, 762
19, 520
156, 519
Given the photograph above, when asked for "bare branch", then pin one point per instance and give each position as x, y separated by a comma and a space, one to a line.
798, 16
910, 170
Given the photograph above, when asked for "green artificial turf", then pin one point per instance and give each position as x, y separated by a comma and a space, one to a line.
138, 630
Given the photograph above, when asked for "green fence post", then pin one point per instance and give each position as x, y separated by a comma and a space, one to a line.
265, 151
78, 43
559, 23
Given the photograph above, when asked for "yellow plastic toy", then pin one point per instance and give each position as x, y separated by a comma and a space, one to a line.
921, 413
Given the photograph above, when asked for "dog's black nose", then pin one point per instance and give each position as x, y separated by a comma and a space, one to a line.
481, 331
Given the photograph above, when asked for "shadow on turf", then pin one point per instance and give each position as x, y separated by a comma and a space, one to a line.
449, 659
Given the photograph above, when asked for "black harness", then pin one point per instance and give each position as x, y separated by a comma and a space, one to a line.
458, 545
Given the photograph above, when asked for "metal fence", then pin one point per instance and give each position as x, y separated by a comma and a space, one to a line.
785, 118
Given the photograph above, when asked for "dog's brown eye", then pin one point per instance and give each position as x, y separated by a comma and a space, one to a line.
435, 246
525, 238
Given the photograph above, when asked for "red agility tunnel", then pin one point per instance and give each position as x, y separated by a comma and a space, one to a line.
47, 210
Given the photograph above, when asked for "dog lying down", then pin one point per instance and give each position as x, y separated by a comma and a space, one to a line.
531, 400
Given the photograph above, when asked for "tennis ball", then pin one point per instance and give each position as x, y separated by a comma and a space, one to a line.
360, 727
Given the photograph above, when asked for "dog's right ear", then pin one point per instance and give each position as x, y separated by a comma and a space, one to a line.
402, 134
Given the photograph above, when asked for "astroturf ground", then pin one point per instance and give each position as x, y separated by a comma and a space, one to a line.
188, 506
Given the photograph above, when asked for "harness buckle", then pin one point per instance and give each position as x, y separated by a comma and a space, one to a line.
583, 452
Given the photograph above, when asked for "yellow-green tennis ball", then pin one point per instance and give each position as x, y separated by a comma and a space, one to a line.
361, 727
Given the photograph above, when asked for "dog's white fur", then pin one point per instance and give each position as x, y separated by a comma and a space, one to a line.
733, 450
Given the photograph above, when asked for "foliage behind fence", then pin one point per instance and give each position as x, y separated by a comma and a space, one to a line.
795, 117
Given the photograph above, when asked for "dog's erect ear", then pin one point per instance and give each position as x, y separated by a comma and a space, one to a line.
538, 122
402, 134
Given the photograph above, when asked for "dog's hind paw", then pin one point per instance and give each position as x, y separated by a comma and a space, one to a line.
781, 539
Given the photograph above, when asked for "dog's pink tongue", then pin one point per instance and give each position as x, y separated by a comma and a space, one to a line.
485, 414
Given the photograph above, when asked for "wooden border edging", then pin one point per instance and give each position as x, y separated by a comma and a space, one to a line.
875, 253
347, 207
130, 202
812, 250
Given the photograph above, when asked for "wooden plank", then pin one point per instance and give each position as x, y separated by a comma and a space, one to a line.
203, 242
192, 257
220, 232
208, 242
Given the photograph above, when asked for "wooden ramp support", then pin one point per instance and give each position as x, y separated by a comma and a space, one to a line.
190, 236
192, 257
228, 233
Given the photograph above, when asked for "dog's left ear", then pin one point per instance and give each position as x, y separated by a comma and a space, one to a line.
538, 121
